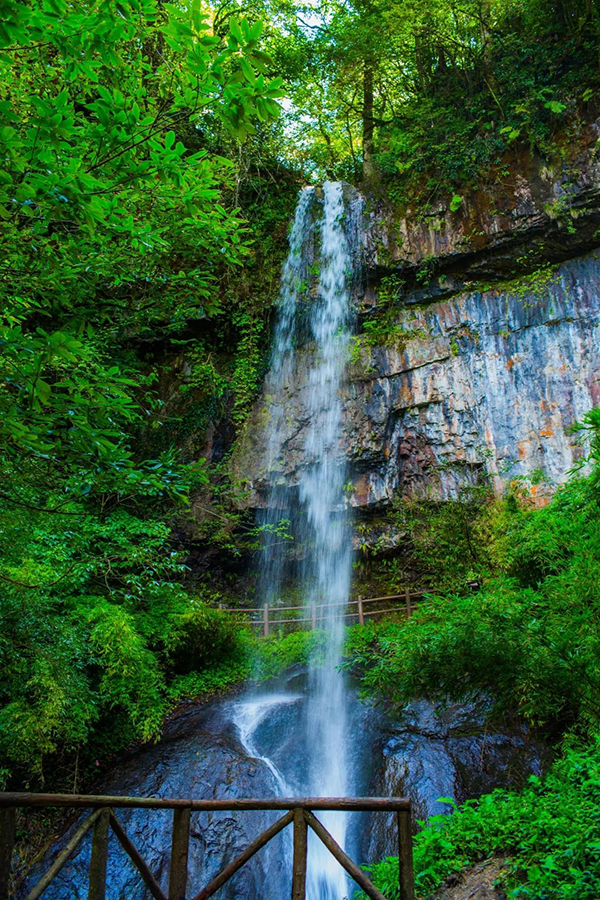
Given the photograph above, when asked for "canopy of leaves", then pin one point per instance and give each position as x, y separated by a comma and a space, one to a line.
446, 86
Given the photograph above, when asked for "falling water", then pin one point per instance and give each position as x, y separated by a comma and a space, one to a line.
317, 512
248, 714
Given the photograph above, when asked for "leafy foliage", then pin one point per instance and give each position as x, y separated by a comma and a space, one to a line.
117, 227
529, 638
280, 653
450, 543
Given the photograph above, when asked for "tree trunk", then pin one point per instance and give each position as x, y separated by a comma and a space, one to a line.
368, 125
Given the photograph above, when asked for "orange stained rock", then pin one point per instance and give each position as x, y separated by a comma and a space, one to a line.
539, 495
361, 492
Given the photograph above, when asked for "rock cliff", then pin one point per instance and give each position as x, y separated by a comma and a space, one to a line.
476, 347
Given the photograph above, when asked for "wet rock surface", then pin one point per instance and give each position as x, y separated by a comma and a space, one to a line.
490, 349
427, 755
546, 210
200, 757
452, 752
489, 384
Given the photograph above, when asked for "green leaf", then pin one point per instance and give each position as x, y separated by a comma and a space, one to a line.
555, 106
247, 71
236, 31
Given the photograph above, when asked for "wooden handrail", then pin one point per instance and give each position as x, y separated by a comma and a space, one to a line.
394, 597
300, 812
96, 801
344, 860
63, 856
360, 602
378, 612
243, 857
136, 858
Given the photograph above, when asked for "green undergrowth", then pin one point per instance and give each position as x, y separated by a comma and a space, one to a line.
256, 660
276, 654
110, 673
549, 833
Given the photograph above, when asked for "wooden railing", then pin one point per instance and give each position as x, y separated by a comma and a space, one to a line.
355, 609
299, 812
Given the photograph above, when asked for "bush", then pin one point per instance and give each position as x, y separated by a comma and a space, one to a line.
276, 654
550, 831
199, 637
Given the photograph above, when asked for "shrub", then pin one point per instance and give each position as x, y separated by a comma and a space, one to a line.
199, 636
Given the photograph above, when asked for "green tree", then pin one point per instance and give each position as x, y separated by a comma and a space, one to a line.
115, 231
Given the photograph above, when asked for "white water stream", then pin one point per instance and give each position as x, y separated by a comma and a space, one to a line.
315, 507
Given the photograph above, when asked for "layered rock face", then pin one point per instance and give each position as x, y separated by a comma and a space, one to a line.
490, 383
477, 344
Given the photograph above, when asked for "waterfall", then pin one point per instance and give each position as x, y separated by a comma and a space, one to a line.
318, 314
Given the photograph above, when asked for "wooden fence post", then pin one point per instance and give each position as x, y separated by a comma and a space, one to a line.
97, 887
408, 605
266, 620
405, 856
314, 616
8, 819
300, 855
361, 614
180, 845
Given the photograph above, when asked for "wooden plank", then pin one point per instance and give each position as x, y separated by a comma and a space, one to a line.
288, 621
405, 856
361, 616
336, 605
250, 609
243, 857
64, 855
344, 860
180, 846
136, 858
97, 886
280, 609
362, 804
300, 856
395, 597
384, 612
8, 819
266, 620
